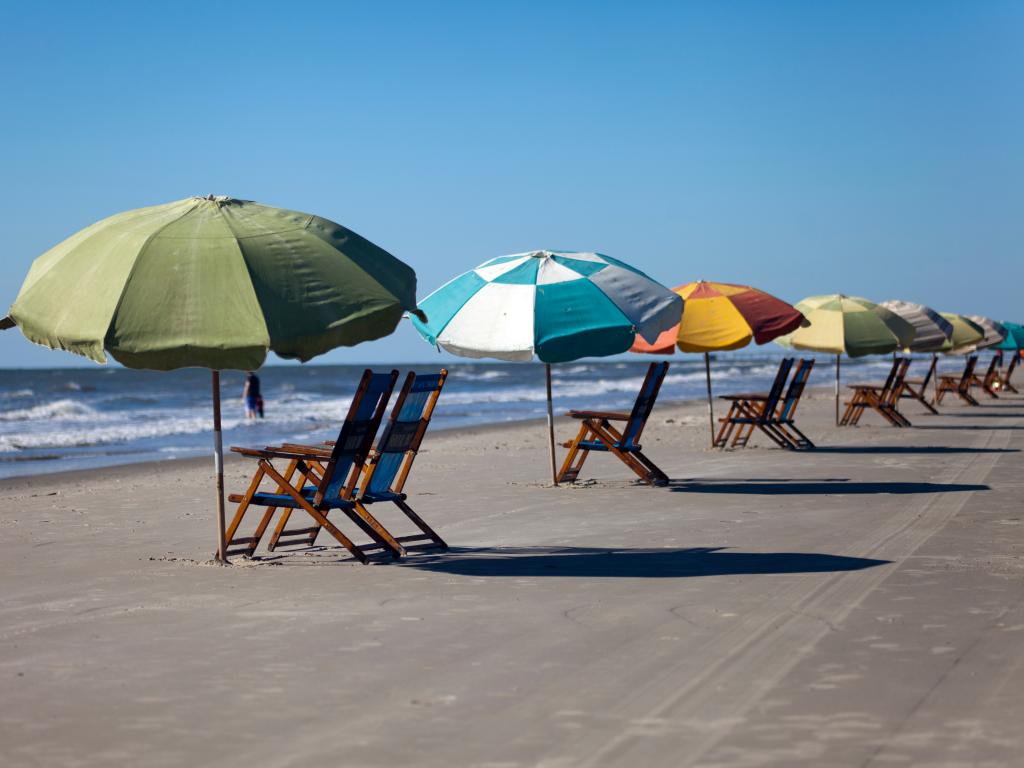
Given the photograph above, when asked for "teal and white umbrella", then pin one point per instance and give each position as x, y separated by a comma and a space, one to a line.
554, 306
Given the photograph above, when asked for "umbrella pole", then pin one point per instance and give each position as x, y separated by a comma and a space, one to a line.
711, 410
218, 463
551, 427
837, 390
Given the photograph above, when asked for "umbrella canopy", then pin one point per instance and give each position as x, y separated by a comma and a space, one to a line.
1014, 336
723, 316
994, 333
848, 325
553, 305
966, 334
211, 282
931, 330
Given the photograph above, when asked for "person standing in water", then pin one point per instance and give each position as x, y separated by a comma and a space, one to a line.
251, 396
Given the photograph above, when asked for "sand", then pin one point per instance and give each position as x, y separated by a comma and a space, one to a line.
858, 605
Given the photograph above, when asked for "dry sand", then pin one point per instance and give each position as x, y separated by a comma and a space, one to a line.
858, 605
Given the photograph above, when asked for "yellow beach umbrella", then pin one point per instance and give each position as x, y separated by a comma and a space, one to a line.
721, 317
848, 325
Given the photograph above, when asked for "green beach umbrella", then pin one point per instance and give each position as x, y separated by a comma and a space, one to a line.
848, 325
211, 282
966, 334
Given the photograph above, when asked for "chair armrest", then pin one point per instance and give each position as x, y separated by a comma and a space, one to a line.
745, 396
272, 452
609, 415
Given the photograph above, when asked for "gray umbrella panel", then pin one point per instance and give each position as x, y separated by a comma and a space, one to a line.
932, 330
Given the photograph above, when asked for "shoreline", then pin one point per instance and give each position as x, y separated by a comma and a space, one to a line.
105, 471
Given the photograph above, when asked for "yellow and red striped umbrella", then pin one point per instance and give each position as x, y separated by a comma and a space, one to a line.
723, 316
720, 317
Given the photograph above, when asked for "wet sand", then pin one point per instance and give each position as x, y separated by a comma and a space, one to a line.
859, 605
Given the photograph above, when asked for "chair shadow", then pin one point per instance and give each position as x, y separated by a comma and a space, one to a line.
926, 449
989, 414
600, 562
965, 426
793, 487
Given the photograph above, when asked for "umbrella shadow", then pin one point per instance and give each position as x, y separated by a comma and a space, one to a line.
988, 414
795, 487
601, 562
967, 426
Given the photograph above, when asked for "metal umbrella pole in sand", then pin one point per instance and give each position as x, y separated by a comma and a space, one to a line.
211, 282
719, 317
847, 325
551, 306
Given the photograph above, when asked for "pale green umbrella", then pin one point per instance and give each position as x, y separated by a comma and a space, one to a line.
848, 325
211, 282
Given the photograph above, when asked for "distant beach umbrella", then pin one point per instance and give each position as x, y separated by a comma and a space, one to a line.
931, 330
554, 306
994, 333
1014, 337
211, 282
848, 325
966, 334
720, 317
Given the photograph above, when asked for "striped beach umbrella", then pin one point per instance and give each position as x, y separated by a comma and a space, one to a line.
931, 330
553, 306
994, 333
848, 325
1014, 337
720, 317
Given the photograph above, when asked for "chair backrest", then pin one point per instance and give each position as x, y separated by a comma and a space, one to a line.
775, 393
410, 416
965, 380
356, 437
993, 367
1013, 364
796, 388
892, 396
887, 387
931, 372
644, 403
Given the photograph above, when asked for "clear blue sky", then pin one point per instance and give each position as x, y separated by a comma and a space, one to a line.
873, 148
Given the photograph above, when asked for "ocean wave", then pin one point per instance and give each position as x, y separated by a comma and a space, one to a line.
64, 409
18, 394
464, 375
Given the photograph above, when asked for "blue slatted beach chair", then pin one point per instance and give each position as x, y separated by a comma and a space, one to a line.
596, 433
387, 468
749, 411
317, 492
783, 423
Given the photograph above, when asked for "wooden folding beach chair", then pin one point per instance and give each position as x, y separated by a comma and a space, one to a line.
783, 421
915, 389
991, 378
882, 400
596, 433
317, 492
961, 384
752, 410
386, 470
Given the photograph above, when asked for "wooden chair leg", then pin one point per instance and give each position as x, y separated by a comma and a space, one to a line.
570, 469
420, 523
317, 515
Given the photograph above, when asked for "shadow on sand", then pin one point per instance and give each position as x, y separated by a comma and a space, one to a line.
926, 449
793, 487
599, 562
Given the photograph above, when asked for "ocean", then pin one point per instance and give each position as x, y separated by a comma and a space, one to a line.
78, 418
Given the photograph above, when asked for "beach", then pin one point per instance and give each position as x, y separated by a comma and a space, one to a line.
860, 604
